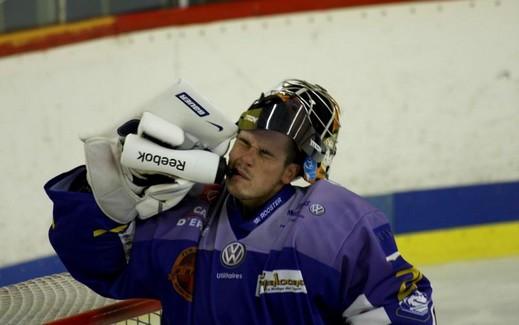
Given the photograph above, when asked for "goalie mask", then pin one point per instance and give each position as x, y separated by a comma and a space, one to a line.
306, 113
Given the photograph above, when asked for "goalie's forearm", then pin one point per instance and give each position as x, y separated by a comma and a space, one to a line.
85, 239
96, 250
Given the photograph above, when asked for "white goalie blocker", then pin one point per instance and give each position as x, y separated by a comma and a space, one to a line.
180, 135
183, 106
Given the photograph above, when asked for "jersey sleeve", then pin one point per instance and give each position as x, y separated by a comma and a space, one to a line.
93, 248
380, 286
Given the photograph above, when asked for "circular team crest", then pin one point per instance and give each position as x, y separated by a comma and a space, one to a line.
233, 254
182, 274
316, 209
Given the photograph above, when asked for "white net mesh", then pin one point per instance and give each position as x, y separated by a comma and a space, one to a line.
45, 299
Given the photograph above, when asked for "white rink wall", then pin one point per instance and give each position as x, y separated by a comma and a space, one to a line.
430, 96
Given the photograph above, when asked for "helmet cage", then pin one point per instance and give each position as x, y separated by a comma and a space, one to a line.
306, 113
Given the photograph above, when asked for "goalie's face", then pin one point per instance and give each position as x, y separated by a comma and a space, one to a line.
259, 162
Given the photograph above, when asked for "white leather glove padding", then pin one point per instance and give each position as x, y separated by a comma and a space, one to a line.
106, 178
161, 197
115, 193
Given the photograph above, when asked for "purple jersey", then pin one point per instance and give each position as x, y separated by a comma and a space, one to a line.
315, 255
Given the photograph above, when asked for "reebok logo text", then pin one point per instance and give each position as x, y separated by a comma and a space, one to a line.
162, 160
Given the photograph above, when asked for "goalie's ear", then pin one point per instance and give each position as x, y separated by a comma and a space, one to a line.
290, 173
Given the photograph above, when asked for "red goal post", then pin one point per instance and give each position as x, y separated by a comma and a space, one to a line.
141, 311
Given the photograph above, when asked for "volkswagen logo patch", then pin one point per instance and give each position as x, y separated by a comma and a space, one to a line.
316, 209
233, 254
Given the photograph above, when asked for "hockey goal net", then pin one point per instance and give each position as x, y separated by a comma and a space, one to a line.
58, 299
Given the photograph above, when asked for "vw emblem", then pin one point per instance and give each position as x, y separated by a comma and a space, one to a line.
233, 254
316, 209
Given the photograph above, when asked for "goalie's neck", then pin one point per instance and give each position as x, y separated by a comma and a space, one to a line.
244, 219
